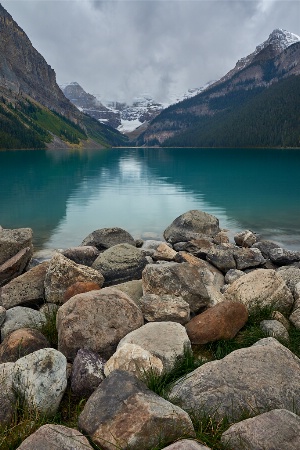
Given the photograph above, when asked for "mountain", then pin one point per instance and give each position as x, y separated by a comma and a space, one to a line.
34, 113
242, 108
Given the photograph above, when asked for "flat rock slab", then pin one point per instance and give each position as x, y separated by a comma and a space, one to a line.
41, 379
261, 288
191, 225
62, 273
222, 321
166, 340
20, 343
12, 241
105, 238
255, 379
124, 413
194, 284
276, 429
25, 289
97, 320
120, 263
49, 437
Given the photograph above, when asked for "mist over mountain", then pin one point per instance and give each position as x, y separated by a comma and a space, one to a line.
224, 114
34, 112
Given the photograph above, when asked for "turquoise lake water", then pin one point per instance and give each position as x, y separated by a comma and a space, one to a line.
65, 195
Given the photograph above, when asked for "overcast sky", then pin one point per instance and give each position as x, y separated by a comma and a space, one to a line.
121, 49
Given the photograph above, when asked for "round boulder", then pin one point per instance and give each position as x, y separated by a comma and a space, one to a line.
191, 225
97, 320
105, 238
120, 263
20, 343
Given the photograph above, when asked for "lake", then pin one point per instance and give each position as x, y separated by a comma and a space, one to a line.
65, 195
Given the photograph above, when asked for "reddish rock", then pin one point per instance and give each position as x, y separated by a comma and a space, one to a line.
79, 287
222, 321
20, 343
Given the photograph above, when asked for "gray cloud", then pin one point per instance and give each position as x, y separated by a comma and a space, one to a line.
120, 49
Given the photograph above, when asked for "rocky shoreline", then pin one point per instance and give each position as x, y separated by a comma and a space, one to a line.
124, 308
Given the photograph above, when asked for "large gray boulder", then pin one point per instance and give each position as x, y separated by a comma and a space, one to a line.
276, 429
227, 256
62, 273
50, 437
282, 257
7, 394
97, 320
255, 379
166, 340
291, 276
12, 241
265, 247
194, 284
14, 266
261, 288
25, 289
191, 225
120, 263
124, 413
41, 379
105, 238
21, 317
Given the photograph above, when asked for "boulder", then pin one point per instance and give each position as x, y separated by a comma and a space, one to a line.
274, 329
12, 241
245, 238
265, 247
276, 429
105, 238
254, 380
62, 273
21, 317
233, 275
197, 247
14, 266
194, 261
79, 288
20, 343
87, 372
186, 444
194, 284
291, 276
227, 256
134, 359
124, 413
164, 308
41, 379
50, 437
166, 340
97, 320
191, 225
134, 289
120, 263
222, 321
282, 257
84, 255
164, 252
7, 395
26, 289
261, 288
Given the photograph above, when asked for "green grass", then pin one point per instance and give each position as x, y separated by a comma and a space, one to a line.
48, 329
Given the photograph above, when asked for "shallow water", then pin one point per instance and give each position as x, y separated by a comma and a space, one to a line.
64, 195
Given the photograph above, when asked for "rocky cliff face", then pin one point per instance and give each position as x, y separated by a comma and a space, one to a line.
24, 70
277, 58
